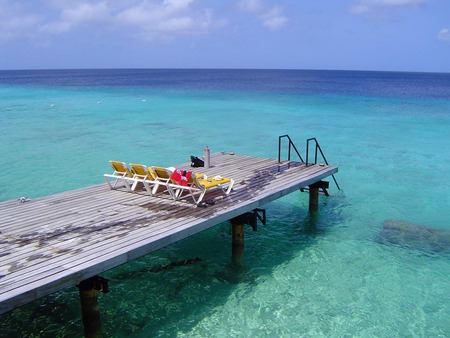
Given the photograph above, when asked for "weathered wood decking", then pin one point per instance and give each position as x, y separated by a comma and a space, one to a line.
53, 242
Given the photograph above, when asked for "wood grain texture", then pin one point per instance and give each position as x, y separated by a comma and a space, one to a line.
53, 242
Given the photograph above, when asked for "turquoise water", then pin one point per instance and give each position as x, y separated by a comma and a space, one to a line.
320, 277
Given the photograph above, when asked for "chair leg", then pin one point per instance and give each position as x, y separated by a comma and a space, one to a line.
111, 186
133, 187
147, 187
230, 186
200, 198
126, 184
107, 181
155, 188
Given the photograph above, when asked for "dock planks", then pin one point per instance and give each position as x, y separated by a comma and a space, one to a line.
53, 242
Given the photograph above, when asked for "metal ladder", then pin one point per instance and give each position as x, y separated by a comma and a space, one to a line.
316, 151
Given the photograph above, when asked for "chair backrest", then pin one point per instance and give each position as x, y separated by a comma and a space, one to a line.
161, 172
121, 168
194, 180
142, 171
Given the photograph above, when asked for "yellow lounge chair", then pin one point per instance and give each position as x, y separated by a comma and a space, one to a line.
200, 185
224, 183
162, 178
143, 174
121, 173
181, 180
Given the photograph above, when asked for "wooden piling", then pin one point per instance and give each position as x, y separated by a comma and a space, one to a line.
237, 251
313, 198
314, 194
89, 308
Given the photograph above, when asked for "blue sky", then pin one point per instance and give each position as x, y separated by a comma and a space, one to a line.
393, 35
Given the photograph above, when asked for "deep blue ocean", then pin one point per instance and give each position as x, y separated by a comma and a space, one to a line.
341, 274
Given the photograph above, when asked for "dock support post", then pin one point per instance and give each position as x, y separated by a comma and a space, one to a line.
314, 194
88, 290
237, 229
313, 198
237, 250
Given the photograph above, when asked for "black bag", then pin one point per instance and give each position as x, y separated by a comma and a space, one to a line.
196, 162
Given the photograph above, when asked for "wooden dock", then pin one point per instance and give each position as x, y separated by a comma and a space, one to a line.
54, 242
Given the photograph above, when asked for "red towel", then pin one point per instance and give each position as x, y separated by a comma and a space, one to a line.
181, 176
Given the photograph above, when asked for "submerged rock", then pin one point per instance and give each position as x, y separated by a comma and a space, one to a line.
158, 268
414, 236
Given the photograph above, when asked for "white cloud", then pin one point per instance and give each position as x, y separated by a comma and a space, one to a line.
274, 19
444, 35
86, 12
252, 6
166, 15
177, 4
400, 2
270, 17
362, 7
15, 22
165, 18
76, 15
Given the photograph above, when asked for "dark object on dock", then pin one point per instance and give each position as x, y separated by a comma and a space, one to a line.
414, 236
204, 204
196, 162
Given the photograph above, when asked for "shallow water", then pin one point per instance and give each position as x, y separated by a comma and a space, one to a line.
303, 276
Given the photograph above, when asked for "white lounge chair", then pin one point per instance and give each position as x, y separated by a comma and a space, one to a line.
198, 185
121, 174
143, 174
162, 178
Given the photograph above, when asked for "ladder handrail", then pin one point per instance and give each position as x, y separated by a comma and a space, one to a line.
291, 144
317, 148
315, 156
316, 152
